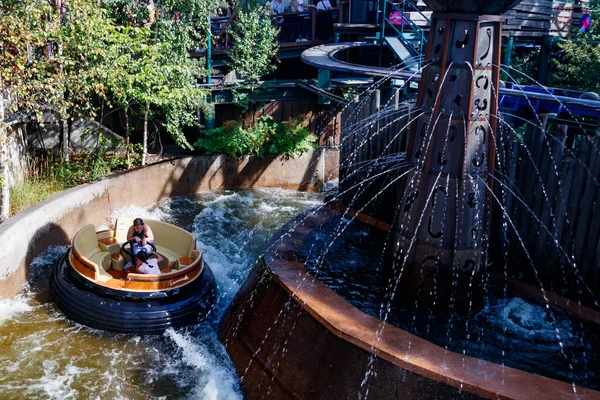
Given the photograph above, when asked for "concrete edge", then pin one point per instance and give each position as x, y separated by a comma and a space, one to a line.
55, 220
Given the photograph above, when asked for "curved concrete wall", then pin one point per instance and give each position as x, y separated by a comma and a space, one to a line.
55, 220
291, 337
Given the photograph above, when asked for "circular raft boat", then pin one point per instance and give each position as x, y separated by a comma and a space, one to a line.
90, 285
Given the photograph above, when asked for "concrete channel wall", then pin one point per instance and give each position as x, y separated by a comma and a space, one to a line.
54, 221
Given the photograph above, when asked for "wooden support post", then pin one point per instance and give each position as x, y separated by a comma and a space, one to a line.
543, 60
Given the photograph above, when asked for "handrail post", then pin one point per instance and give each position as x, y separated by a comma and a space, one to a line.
383, 22
209, 52
403, 18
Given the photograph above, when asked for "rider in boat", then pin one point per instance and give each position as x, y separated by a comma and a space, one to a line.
147, 265
142, 234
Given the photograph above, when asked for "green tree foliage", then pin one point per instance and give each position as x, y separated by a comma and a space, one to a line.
254, 43
65, 58
23, 70
577, 65
267, 137
156, 76
128, 12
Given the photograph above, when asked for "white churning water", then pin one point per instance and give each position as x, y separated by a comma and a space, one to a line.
44, 355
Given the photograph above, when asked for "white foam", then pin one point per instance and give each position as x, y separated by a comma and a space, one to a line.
11, 308
48, 257
56, 382
132, 211
217, 379
331, 185
39, 269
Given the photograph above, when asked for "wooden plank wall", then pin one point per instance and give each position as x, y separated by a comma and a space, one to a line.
554, 173
373, 144
324, 122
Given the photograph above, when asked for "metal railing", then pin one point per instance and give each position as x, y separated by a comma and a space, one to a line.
405, 22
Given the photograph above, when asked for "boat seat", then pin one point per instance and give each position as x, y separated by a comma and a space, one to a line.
121, 227
169, 256
102, 258
184, 262
109, 244
86, 244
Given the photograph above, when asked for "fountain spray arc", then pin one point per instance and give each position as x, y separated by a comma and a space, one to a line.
442, 227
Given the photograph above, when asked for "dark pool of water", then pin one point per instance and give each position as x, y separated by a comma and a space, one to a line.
512, 329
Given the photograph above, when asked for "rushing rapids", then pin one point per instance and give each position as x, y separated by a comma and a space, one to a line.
44, 355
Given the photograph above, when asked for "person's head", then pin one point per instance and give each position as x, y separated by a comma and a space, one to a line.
138, 225
142, 256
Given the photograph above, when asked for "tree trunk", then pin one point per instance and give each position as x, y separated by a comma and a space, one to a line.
70, 127
145, 138
64, 133
63, 122
128, 162
4, 179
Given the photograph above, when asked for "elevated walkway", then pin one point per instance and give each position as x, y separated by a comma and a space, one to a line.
323, 57
519, 99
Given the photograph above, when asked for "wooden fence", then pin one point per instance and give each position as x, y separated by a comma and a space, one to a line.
372, 148
552, 197
538, 18
548, 179
529, 18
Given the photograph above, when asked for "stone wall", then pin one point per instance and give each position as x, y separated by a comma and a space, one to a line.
54, 221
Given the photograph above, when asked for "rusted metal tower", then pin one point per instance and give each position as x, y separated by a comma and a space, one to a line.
440, 244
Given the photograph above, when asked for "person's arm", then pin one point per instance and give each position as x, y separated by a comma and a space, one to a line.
149, 235
130, 235
158, 257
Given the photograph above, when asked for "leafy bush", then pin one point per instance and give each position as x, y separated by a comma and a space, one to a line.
231, 139
290, 138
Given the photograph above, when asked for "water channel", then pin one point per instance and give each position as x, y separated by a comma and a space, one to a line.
44, 355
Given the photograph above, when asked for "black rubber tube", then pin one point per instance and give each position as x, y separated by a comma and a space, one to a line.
126, 311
